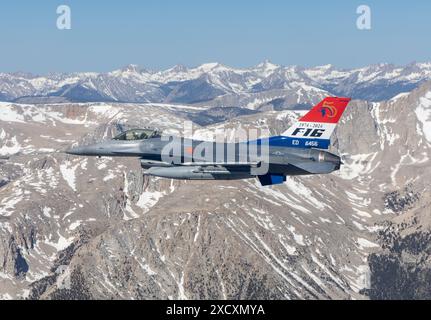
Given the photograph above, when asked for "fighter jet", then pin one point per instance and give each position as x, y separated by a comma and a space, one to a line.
298, 151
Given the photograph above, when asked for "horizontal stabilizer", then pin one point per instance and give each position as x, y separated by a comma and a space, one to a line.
316, 167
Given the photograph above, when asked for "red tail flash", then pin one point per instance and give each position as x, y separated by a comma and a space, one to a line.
329, 110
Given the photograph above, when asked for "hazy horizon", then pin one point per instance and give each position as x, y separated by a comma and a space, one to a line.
209, 62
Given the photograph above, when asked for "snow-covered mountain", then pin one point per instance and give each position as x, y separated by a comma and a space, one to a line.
363, 232
212, 82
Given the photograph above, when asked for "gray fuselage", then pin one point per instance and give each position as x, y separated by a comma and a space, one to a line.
181, 158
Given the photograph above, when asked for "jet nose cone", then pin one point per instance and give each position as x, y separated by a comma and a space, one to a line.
75, 151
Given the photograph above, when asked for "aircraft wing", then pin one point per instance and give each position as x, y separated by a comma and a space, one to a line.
305, 167
315, 167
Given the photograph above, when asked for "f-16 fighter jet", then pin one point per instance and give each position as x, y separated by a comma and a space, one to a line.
297, 151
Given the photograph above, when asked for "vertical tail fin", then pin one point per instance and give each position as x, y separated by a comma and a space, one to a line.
315, 128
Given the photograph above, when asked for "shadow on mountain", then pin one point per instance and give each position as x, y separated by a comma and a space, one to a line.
218, 114
401, 273
79, 93
192, 91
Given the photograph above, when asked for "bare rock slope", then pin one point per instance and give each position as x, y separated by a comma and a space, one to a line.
107, 231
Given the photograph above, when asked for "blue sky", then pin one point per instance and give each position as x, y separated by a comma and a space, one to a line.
158, 34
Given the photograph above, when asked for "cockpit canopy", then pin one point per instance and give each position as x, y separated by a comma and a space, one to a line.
138, 134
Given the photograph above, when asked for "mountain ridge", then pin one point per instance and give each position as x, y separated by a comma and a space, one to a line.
178, 84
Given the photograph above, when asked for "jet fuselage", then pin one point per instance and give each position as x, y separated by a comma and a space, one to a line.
188, 165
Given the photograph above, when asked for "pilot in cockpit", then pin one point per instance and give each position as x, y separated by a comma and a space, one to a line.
137, 134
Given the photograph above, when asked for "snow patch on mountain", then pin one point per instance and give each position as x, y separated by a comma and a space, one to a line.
423, 113
68, 172
10, 147
9, 114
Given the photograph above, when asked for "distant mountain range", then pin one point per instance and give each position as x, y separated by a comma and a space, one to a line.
265, 86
